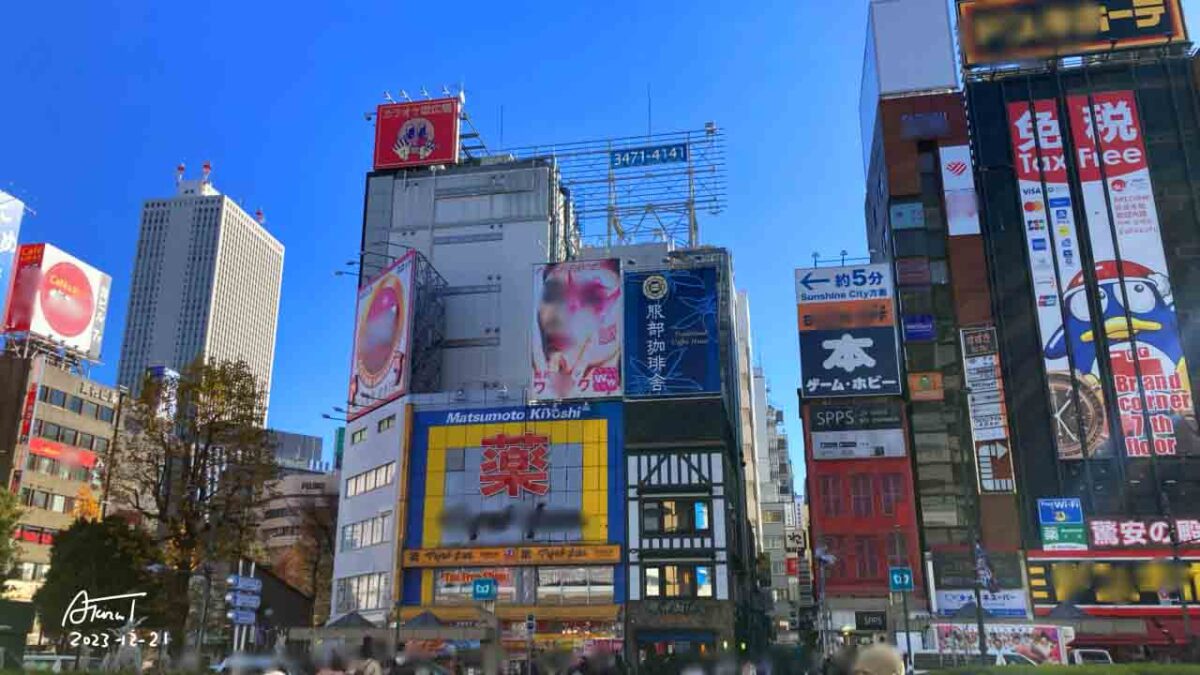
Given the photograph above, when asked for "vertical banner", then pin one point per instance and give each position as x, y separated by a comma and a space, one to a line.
958, 186
381, 363
576, 345
1134, 284
987, 410
11, 212
671, 342
1076, 395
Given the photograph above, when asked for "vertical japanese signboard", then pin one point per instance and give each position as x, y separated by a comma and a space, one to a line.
12, 210
958, 187
1076, 395
1139, 317
381, 361
576, 345
987, 410
847, 331
1061, 521
671, 342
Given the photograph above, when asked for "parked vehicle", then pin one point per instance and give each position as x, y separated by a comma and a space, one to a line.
1085, 657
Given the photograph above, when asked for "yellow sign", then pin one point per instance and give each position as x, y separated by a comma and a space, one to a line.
526, 555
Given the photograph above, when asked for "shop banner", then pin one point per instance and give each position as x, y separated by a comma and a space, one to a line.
1116, 586
1001, 604
1076, 396
12, 210
958, 187
986, 408
672, 346
864, 430
577, 337
524, 555
1040, 644
1134, 285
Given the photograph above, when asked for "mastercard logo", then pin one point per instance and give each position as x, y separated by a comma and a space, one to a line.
1032, 207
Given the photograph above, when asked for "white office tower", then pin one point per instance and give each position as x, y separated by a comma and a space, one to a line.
206, 283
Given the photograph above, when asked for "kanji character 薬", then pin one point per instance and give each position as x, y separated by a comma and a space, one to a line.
514, 464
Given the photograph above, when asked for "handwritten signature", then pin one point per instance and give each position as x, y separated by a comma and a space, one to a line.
84, 609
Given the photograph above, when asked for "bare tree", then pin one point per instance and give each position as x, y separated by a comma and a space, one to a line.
195, 461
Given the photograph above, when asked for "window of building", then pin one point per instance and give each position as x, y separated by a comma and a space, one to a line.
778, 567
386, 423
772, 516
365, 591
371, 479
866, 557
367, 532
891, 492
830, 488
574, 585
75, 404
774, 542
358, 436
860, 495
678, 581
675, 516
105, 413
57, 398
28, 571
897, 550
89, 410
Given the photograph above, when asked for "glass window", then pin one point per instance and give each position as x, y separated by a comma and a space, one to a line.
860, 495
101, 445
866, 552
704, 581
39, 499
701, 513
43, 393
58, 398
651, 513
386, 423
653, 583
358, 436
68, 436
891, 492
106, 413
75, 404
89, 409
897, 550
831, 495
673, 580
774, 542
772, 516
50, 430
85, 441
909, 243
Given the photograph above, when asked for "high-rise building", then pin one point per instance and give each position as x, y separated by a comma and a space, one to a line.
206, 285
778, 523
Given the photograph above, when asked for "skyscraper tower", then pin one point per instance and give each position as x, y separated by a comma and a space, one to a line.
206, 284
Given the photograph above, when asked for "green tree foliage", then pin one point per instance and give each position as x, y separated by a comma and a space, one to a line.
102, 557
10, 513
195, 461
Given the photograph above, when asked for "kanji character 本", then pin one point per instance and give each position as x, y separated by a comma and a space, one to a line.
654, 329
1047, 131
841, 280
1104, 533
1133, 532
848, 353
1113, 119
654, 312
514, 464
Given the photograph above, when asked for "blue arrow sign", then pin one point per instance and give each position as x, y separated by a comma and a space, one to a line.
483, 589
243, 600
242, 617
808, 281
247, 584
900, 579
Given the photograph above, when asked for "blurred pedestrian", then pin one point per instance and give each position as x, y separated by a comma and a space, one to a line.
878, 659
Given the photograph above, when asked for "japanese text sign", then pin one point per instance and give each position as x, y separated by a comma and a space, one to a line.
417, 133
1126, 532
671, 343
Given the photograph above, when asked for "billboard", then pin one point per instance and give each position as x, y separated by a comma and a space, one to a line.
671, 342
1039, 643
58, 297
862, 430
1076, 394
1013, 30
1061, 522
417, 133
12, 210
847, 331
486, 480
1145, 355
955, 575
987, 410
1110, 584
576, 344
958, 188
381, 359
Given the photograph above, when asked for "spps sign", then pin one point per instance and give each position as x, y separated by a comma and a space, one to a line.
847, 331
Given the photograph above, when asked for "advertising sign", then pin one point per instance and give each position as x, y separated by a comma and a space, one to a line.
656, 154
502, 486
907, 216
987, 411
958, 187
58, 297
1061, 522
527, 555
417, 133
955, 574
870, 621
1133, 532
671, 342
863, 430
1039, 643
1009, 604
68, 455
12, 210
913, 272
1076, 394
847, 331
1139, 316
380, 364
576, 345
919, 328
991, 32
1128, 586
926, 386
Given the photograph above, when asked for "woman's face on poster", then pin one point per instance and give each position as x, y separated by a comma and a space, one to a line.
577, 310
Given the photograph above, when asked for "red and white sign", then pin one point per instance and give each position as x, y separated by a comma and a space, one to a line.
1135, 287
418, 133
958, 187
1108, 533
381, 363
515, 465
63, 453
58, 297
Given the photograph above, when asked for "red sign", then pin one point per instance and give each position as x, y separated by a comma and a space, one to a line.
793, 567
1106, 533
418, 133
515, 464
63, 453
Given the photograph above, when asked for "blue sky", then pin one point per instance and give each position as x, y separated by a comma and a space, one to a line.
104, 98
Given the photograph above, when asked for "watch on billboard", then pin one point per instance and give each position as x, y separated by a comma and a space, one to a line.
381, 361
417, 133
577, 336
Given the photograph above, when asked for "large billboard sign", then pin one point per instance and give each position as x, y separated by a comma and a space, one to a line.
992, 31
847, 331
577, 336
958, 187
12, 210
671, 342
417, 133
381, 360
1076, 395
987, 410
955, 574
58, 297
1145, 356
1111, 584
862, 430
1042, 644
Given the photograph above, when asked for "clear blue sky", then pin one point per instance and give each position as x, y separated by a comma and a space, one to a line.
103, 99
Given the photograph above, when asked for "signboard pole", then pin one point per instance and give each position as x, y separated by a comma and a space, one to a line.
907, 633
